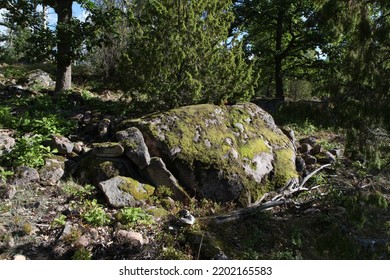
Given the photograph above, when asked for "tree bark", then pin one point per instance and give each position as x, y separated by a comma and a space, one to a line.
279, 91
63, 9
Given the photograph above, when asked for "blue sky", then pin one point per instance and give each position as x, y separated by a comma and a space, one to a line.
78, 12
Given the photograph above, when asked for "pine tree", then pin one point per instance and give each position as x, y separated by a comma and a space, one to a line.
284, 38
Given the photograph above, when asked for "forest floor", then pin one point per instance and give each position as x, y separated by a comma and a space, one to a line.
343, 214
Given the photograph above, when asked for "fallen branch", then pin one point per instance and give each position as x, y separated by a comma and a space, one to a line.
312, 174
241, 213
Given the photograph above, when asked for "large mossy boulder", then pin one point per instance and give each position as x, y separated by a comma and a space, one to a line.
226, 153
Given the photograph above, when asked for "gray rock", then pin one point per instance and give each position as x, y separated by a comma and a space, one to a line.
192, 142
53, 170
325, 157
186, 218
6, 143
20, 258
123, 191
62, 144
78, 147
305, 148
336, 152
39, 78
25, 176
132, 239
310, 160
115, 196
158, 174
107, 149
7, 191
317, 149
300, 164
309, 140
92, 169
134, 143
103, 128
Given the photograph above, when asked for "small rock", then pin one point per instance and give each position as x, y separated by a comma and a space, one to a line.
300, 164
115, 196
39, 78
220, 256
107, 150
103, 128
130, 238
317, 149
309, 140
20, 258
78, 147
134, 143
10, 241
62, 144
309, 159
336, 152
325, 157
25, 175
7, 191
305, 148
52, 172
6, 144
186, 218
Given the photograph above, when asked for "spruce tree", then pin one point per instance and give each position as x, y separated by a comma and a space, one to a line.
180, 53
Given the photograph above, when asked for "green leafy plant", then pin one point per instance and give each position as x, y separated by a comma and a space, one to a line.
71, 188
29, 151
7, 120
132, 216
94, 214
59, 221
307, 128
4, 174
82, 254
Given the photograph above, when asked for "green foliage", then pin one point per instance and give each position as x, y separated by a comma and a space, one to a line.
82, 254
29, 151
359, 206
73, 189
163, 191
283, 38
59, 221
6, 118
94, 214
171, 253
305, 129
179, 53
37, 118
4, 174
133, 216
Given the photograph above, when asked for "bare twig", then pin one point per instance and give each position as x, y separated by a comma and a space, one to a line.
312, 174
200, 245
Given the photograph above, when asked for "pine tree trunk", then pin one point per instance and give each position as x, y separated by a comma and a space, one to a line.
279, 92
64, 45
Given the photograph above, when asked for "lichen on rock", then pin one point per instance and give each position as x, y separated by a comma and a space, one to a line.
227, 153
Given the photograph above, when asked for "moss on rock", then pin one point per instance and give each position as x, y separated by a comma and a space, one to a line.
234, 147
138, 190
